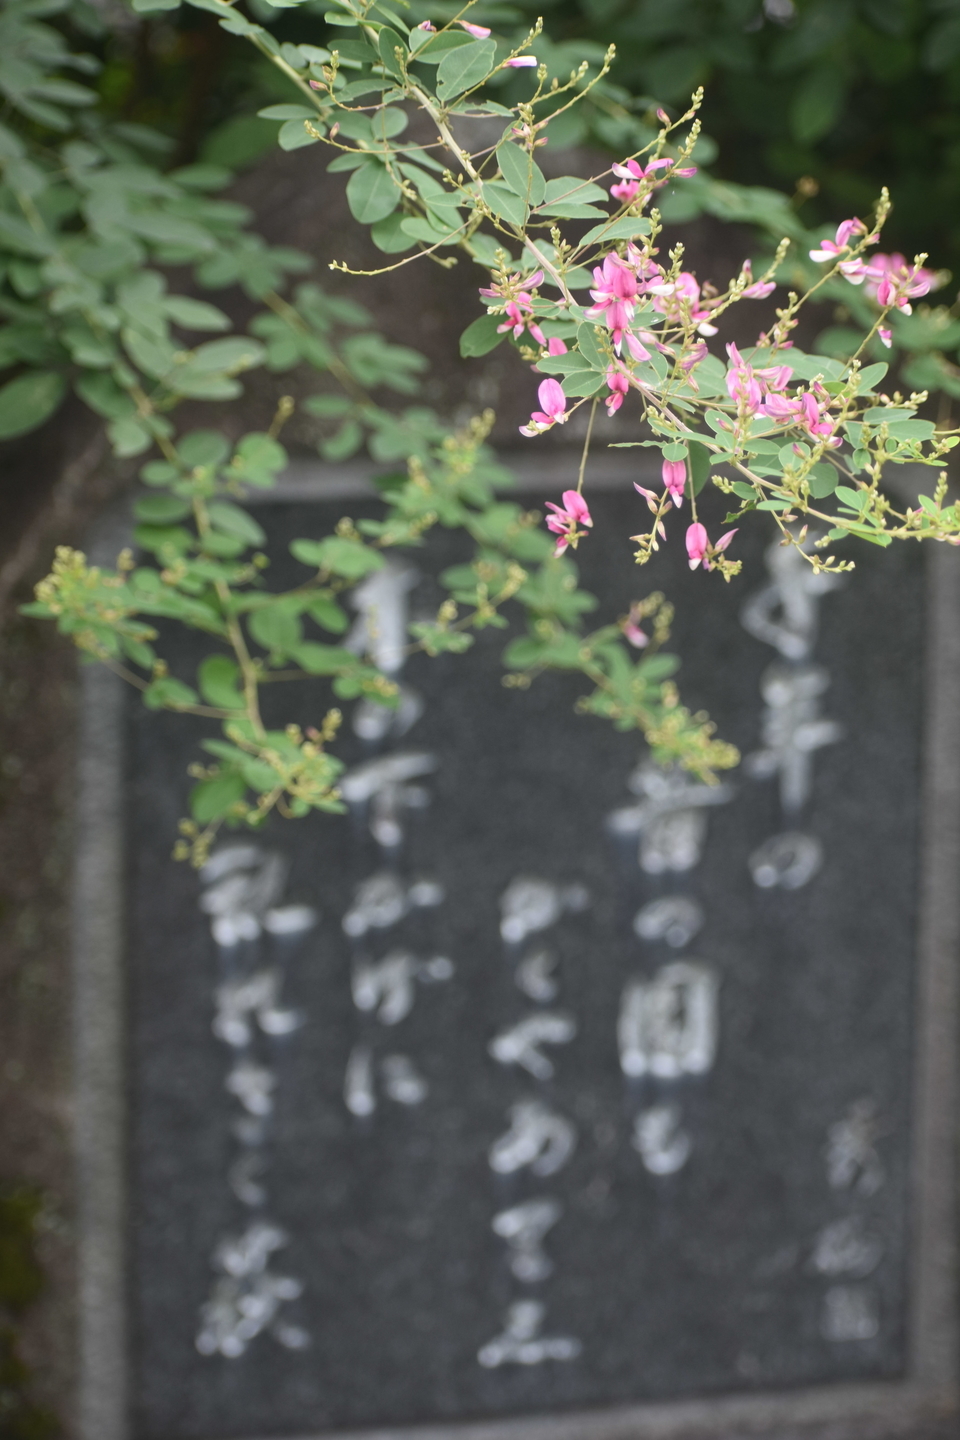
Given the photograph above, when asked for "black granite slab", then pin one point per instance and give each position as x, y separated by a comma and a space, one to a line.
695, 1283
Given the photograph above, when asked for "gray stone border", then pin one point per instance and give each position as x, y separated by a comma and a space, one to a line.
875, 1411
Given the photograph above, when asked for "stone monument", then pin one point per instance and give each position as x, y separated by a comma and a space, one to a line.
546, 1093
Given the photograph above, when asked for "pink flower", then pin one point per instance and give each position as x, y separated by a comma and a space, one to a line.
755, 289
631, 173
892, 282
638, 351
554, 412
831, 249
682, 303
886, 337
427, 25
520, 62
568, 516
555, 346
619, 383
674, 474
615, 295
519, 306
699, 549
631, 630
479, 32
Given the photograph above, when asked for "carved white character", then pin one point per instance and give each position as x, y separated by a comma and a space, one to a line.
529, 904
670, 818
850, 1312
538, 1137
534, 976
673, 918
785, 612
383, 899
845, 1247
245, 1300
240, 1001
852, 1160
792, 729
401, 1081
663, 1146
668, 1025
387, 985
242, 885
380, 630
519, 1045
521, 1342
253, 1086
385, 783
524, 1227
788, 861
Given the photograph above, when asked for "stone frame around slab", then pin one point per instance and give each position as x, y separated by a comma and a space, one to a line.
929, 1396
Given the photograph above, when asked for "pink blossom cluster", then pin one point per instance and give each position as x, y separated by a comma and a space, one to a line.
887, 278
762, 392
632, 174
568, 517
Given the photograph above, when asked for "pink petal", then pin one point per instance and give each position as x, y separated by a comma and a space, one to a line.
552, 398
724, 541
521, 62
555, 346
576, 507
697, 542
479, 32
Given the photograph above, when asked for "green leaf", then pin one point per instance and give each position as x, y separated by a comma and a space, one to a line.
521, 173
218, 677
436, 47
700, 461
161, 509
389, 236
388, 42
349, 558
571, 210
195, 314
504, 203
569, 187
372, 193
213, 799
618, 230
29, 400
344, 443
129, 437
816, 103
582, 382
232, 520
319, 659
288, 112
327, 613
167, 693
871, 375
589, 346
276, 627
465, 67
481, 336
822, 480
294, 135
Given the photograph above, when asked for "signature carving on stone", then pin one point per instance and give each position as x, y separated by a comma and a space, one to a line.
246, 1299
663, 1145
792, 730
785, 613
850, 1312
521, 1342
672, 918
520, 1044
383, 899
538, 1137
668, 1025
238, 1002
529, 904
534, 976
788, 861
852, 1160
399, 1076
380, 629
845, 1247
524, 1227
242, 884
670, 818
